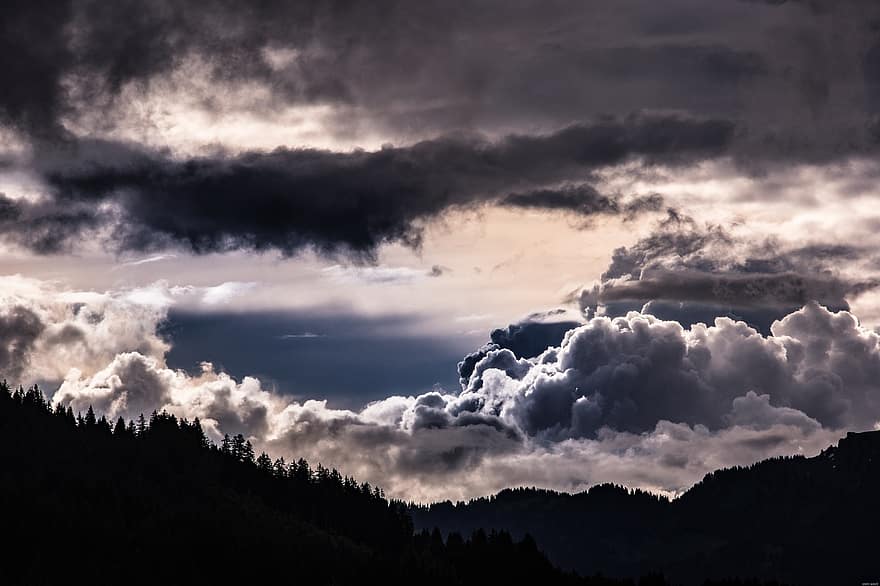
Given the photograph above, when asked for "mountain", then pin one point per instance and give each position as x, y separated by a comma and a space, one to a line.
154, 502
793, 519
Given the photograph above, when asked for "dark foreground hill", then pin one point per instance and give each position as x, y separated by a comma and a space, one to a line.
153, 502
795, 519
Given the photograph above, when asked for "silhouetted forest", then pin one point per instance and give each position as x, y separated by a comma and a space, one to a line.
152, 501
794, 519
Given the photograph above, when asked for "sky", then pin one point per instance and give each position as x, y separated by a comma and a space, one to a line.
451, 248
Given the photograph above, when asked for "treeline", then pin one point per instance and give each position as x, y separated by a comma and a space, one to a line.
154, 501
790, 519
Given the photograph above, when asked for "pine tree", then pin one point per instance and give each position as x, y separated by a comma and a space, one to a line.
141, 428
119, 428
248, 454
238, 447
264, 462
200, 433
303, 471
90, 419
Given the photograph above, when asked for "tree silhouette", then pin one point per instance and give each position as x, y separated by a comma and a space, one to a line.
157, 502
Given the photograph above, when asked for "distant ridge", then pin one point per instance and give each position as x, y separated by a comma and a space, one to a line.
793, 519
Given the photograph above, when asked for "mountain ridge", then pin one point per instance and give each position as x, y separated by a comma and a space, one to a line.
793, 519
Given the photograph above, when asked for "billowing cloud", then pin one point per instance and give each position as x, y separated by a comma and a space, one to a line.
630, 372
633, 399
525, 339
47, 329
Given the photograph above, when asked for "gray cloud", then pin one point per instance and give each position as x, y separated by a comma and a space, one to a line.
693, 273
46, 331
633, 399
800, 75
48, 227
583, 200
631, 372
798, 88
334, 202
19, 330
524, 339
437, 271
135, 386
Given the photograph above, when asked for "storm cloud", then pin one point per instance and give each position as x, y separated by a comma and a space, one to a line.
692, 272
521, 111
343, 202
417, 69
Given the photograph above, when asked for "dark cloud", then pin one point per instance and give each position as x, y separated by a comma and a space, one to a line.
421, 69
67, 335
582, 200
524, 339
695, 64
33, 59
630, 373
694, 273
799, 87
339, 202
20, 328
48, 227
66, 53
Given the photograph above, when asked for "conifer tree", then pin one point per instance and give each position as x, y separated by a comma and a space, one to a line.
141, 428
119, 428
248, 453
90, 420
264, 462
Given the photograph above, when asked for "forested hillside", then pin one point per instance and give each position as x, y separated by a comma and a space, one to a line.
154, 502
794, 519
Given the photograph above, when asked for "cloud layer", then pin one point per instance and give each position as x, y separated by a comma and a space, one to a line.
692, 272
633, 399
775, 65
290, 199
524, 111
